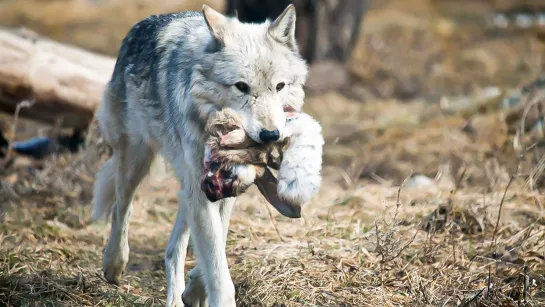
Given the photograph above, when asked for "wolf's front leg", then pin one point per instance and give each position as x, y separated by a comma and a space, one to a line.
195, 293
207, 234
175, 255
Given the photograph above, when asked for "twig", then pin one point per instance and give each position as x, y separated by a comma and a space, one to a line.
539, 143
387, 246
23, 104
274, 223
348, 181
525, 114
378, 178
511, 178
403, 184
446, 302
526, 284
403, 248
541, 118
381, 252
458, 183
453, 241
423, 291
473, 298
453, 193
489, 284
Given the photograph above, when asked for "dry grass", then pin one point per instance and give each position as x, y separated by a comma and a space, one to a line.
358, 245
373, 236
411, 49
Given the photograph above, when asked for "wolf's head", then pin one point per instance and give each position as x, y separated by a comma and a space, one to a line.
254, 69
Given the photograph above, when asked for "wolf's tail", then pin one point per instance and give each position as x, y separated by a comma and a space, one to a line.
104, 190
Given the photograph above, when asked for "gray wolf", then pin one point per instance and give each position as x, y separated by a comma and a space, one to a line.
172, 73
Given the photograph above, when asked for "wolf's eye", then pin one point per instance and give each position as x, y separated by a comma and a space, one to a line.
243, 87
280, 86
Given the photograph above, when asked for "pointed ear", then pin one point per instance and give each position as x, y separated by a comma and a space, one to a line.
215, 21
283, 28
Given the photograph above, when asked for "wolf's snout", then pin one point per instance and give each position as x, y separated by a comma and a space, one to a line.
267, 136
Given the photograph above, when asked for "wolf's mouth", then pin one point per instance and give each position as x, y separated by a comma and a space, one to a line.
290, 112
288, 108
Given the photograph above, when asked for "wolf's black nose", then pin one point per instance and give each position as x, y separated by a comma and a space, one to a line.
267, 136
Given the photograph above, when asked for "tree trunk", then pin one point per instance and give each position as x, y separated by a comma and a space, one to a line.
326, 29
63, 83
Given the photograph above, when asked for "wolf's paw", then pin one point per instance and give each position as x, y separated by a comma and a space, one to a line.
114, 261
113, 272
175, 302
195, 293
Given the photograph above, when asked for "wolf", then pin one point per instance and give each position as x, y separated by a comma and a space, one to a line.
172, 73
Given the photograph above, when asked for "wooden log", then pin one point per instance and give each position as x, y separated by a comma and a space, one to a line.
64, 83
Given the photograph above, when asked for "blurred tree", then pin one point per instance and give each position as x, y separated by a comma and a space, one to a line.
326, 29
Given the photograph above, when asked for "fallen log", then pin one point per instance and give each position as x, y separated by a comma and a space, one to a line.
63, 83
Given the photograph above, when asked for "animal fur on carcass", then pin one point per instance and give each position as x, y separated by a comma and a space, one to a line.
233, 162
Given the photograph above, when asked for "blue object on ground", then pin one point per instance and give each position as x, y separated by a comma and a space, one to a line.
36, 147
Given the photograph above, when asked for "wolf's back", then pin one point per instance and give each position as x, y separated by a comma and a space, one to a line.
149, 41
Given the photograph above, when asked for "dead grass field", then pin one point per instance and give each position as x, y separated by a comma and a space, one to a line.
378, 233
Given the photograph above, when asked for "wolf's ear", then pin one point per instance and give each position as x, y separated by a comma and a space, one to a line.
283, 28
215, 21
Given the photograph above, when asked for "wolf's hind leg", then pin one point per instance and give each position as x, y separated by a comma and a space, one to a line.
131, 162
104, 191
175, 255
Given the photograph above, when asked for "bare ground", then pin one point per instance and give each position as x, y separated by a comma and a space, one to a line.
378, 233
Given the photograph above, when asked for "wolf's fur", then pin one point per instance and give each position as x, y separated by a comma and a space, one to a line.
172, 71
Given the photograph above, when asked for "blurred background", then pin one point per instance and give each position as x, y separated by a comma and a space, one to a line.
441, 97
454, 47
